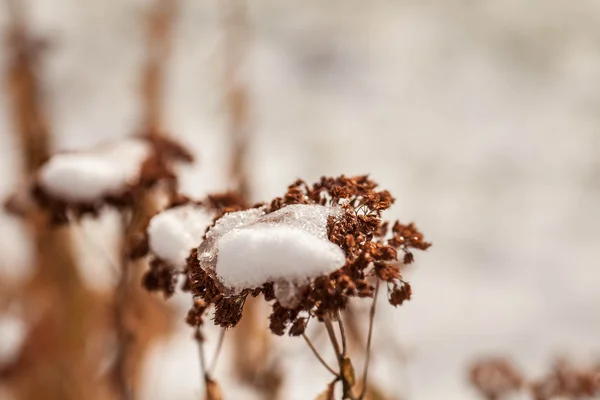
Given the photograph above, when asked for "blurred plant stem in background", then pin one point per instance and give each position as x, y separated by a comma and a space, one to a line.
140, 317
56, 360
254, 359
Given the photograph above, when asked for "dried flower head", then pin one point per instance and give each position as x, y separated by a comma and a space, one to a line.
495, 378
114, 174
352, 207
566, 380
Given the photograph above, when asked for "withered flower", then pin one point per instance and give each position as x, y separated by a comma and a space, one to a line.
495, 378
353, 225
114, 174
308, 253
399, 294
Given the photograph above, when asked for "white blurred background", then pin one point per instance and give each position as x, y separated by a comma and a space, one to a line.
482, 118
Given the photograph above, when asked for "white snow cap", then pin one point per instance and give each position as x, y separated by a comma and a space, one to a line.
173, 233
288, 247
86, 177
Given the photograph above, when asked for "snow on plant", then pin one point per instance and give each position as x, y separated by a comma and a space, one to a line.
171, 235
174, 232
84, 177
115, 174
308, 253
287, 247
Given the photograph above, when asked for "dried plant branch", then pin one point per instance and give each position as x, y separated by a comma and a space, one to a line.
369, 339
250, 364
346, 375
201, 354
66, 312
159, 29
236, 92
140, 317
212, 391
215, 359
319, 357
342, 333
332, 336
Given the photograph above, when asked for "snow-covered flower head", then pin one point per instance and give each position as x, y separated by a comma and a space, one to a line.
310, 251
114, 173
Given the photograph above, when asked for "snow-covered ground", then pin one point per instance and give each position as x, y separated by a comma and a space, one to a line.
481, 117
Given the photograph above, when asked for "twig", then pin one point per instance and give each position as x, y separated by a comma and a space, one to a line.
332, 337
125, 336
342, 334
369, 337
213, 363
133, 338
65, 310
201, 354
316, 353
158, 43
236, 91
343, 361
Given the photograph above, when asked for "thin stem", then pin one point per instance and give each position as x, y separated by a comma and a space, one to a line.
316, 353
332, 337
201, 354
342, 359
342, 333
363, 391
213, 363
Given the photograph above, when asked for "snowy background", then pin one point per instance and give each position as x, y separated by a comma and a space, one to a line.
483, 118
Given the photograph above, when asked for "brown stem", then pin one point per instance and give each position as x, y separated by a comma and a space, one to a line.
213, 363
159, 29
139, 317
236, 91
55, 361
369, 338
250, 360
346, 375
319, 357
332, 337
124, 334
210, 386
342, 333
201, 355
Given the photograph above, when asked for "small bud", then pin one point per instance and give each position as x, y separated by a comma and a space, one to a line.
298, 327
400, 294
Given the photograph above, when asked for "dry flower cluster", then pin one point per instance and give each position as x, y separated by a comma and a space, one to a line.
498, 378
156, 168
370, 246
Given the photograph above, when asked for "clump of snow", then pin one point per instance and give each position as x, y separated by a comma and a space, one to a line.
234, 220
287, 247
207, 252
250, 256
86, 177
174, 232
